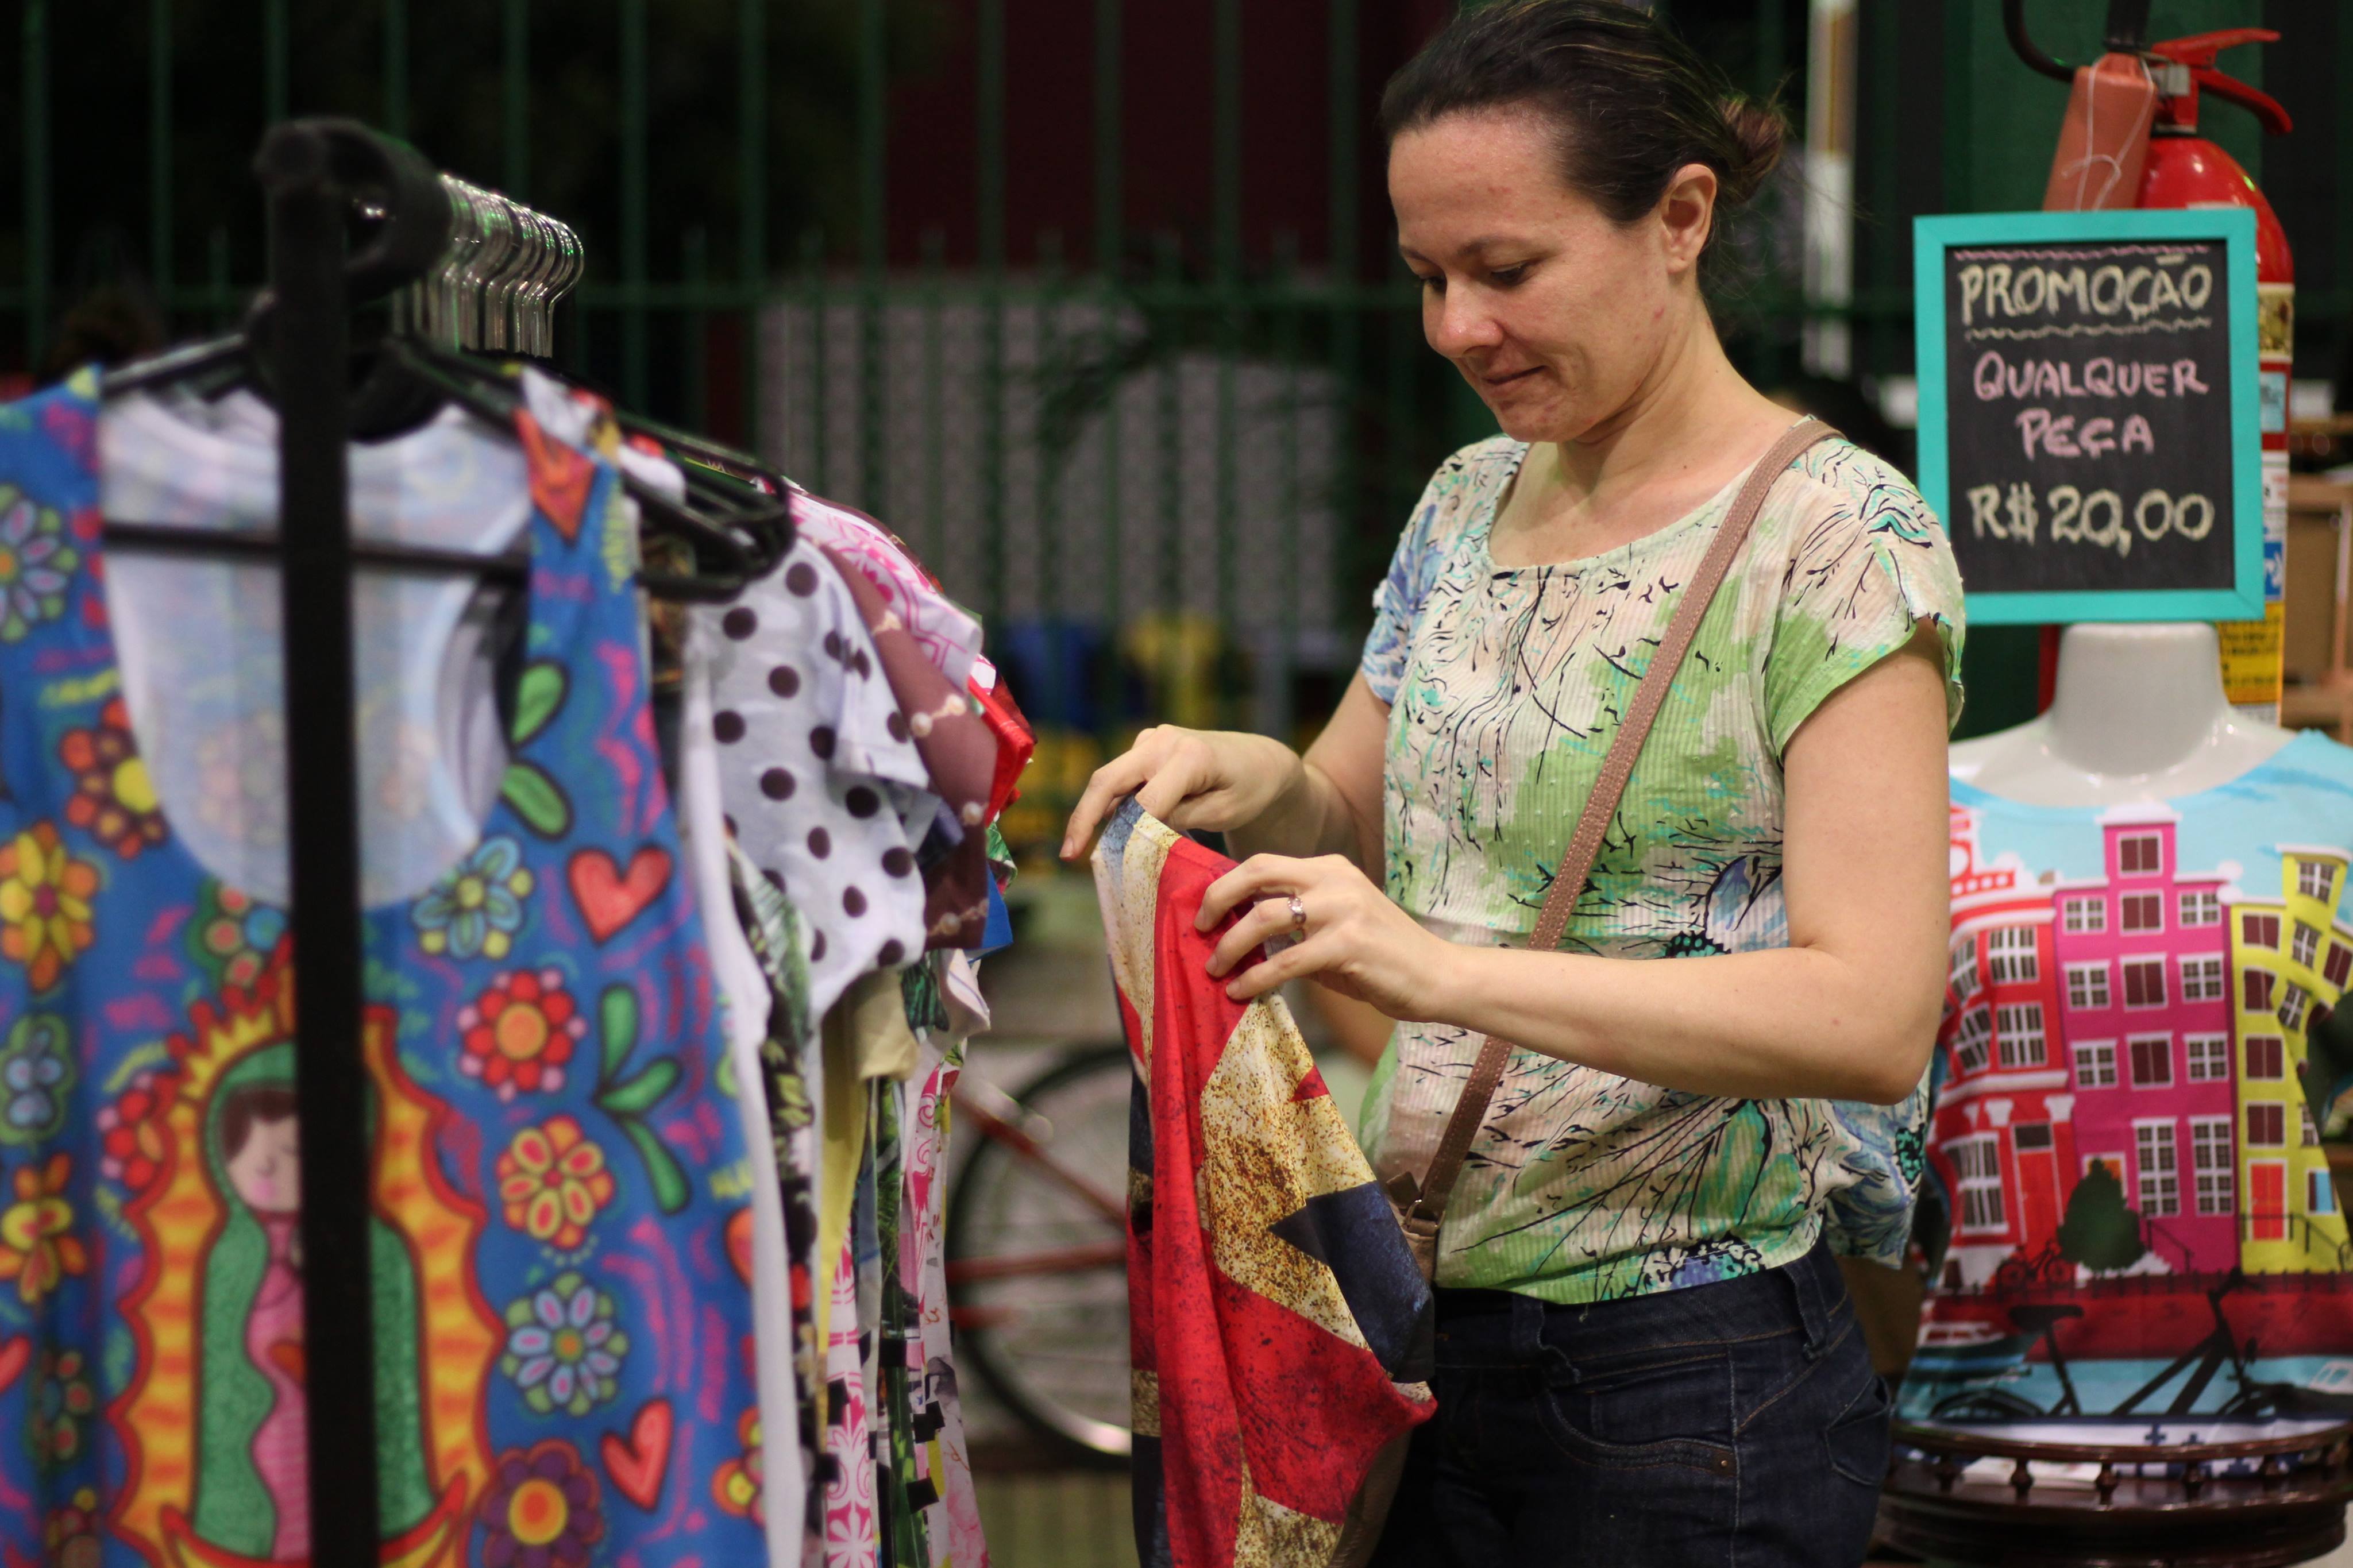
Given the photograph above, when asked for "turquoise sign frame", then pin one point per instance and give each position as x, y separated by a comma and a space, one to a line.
2235, 228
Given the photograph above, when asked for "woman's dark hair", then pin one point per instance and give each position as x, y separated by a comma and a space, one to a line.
1630, 102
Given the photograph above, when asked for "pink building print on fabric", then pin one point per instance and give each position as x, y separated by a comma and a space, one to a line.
2144, 986
2003, 1136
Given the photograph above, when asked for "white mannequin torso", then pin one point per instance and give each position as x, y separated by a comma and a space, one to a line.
2138, 714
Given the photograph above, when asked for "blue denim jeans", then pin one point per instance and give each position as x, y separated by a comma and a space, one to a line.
1736, 1425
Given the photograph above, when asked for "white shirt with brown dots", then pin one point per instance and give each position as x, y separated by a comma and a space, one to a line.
814, 764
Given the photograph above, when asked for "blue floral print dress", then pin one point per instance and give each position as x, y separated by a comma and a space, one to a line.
560, 1238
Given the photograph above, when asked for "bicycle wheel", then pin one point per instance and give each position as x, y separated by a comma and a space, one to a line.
1985, 1404
1036, 1249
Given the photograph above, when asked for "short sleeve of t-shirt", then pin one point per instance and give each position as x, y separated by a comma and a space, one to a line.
1867, 565
1461, 483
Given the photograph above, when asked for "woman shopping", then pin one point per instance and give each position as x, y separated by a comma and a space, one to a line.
1645, 1353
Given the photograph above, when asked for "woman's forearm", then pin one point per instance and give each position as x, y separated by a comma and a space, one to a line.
1309, 817
1779, 1022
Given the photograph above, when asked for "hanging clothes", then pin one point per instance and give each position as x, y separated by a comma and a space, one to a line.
948, 635
812, 745
562, 1342
1281, 1328
766, 1263
772, 926
959, 750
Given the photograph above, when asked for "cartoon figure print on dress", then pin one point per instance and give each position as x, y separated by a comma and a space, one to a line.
562, 1327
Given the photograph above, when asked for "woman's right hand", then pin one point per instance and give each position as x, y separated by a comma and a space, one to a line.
1214, 780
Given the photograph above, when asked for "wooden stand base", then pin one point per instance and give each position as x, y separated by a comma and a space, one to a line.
2262, 1504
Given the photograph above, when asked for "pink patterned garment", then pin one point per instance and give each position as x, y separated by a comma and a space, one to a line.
273, 1338
923, 1250
949, 634
849, 1529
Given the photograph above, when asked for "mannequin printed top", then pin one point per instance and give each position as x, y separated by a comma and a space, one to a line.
1506, 688
562, 1326
2129, 1226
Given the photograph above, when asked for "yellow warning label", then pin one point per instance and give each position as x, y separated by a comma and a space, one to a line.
2251, 658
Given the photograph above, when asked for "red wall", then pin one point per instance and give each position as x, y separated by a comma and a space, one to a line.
1167, 127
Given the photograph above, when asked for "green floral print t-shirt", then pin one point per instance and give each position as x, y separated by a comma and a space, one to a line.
1506, 688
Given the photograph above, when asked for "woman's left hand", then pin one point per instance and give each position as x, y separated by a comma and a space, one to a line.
1355, 939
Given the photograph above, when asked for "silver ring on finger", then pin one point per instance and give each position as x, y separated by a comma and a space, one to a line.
1298, 914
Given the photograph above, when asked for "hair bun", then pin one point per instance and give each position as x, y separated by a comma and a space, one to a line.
1760, 134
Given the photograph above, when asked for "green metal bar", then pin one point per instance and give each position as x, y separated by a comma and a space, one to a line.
873, 172
1169, 266
935, 525
1227, 116
636, 346
2341, 262
217, 278
1878, 150
395, 67
694, 264
813, 281
1110, 224
514, 98
1772, 62
991, 172
159, 154
1772, 47
35, 89
1291, 520
275, 49
1110, 141
1047, 337
751, 174
1343, 262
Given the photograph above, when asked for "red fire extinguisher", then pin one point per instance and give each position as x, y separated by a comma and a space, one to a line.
2131, 139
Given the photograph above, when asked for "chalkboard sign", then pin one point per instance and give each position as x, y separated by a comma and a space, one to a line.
2088, 412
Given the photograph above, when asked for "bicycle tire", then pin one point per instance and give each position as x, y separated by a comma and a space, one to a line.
1985, 1404
994, 1356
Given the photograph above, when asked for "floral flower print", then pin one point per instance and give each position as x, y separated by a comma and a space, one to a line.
36, 1071
129, 1131
553, 1181
519, 1032
45, 892
240, 781
113, 797
37, 1246
35, 564
233, 936
541, 1508
736, 1485
63, 1399
563, 1348
477, 907
71, 1532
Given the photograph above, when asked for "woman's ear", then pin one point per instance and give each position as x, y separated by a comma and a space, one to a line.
1686, 215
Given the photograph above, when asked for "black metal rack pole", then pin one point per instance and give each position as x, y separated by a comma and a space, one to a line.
307, 354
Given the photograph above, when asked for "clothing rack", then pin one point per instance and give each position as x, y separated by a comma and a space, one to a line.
315, 174
309, 349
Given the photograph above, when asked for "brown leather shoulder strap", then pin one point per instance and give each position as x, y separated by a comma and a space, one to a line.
1568, 877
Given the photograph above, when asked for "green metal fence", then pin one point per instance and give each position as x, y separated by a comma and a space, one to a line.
1116, 422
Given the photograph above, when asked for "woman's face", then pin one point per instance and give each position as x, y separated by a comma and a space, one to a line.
1552, 311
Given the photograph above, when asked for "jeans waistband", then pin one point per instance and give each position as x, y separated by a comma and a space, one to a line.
1804, 1294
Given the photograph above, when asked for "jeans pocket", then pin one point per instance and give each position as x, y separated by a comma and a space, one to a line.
1857, 1439
1675, 1409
